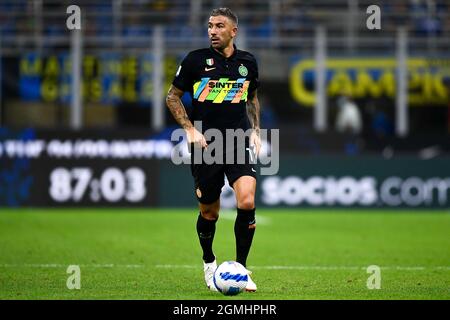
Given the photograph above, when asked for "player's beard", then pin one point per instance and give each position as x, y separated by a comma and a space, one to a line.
220, 45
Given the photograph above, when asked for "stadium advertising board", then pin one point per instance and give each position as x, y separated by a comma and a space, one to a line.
337, 181
362, 181
65, 168
50, 168
372, 78
106, 77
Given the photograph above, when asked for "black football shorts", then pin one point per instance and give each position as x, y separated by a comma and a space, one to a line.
209, 179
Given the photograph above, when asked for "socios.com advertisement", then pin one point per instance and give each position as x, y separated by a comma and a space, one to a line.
335, 181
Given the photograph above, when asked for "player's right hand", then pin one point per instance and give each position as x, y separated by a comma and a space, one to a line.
195, 137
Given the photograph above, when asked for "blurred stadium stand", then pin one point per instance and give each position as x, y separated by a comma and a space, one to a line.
285, 24
277, 32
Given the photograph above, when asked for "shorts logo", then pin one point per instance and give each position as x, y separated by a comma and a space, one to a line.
243, 70
198, 192
210, 62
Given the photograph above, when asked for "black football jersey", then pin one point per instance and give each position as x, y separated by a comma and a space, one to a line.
219, 86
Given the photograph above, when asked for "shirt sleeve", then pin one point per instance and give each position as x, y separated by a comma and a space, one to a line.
183, 76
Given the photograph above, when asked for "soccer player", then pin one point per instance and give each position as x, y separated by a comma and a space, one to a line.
222, 81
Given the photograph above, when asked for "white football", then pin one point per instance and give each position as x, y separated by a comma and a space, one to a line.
230, 278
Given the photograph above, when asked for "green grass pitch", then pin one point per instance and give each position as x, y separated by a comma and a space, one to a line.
155, 254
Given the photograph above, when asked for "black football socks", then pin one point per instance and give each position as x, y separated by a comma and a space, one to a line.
244, 229
206, 230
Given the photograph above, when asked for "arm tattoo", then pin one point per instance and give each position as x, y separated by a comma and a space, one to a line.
253, 110
173, 101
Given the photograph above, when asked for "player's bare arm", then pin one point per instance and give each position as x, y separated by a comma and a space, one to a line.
176, 107
253, 112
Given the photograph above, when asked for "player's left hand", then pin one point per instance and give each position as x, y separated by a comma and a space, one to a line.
255, 140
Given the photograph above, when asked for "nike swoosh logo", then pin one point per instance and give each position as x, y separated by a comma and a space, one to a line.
253, 170
209, 69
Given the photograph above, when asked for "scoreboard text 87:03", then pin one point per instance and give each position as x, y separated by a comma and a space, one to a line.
111, 185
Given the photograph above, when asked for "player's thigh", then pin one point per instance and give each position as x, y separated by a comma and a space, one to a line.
209, 180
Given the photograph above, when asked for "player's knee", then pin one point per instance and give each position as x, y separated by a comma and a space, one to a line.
210, 215
246, 203
210, 212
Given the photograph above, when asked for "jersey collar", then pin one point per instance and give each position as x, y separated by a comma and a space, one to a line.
218, 55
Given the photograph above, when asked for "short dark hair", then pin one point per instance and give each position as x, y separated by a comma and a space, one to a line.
226, 12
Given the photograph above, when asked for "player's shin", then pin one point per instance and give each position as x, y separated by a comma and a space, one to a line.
205, 231
244, 229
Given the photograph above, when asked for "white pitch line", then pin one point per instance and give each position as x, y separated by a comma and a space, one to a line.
177, 266
402, 268
58, 265
187, 266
